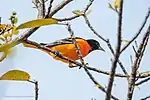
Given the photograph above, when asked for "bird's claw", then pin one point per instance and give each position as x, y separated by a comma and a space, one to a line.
72, 66
56, 53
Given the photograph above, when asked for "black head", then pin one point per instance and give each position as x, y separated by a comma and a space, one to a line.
95, 45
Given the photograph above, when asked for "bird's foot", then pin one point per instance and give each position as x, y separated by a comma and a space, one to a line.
71, 65
56, 53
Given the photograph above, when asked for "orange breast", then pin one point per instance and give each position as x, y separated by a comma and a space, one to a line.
69, 50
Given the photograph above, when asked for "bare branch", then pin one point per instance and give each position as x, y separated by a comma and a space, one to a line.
117, 54
119, 62
146, 98
40, 6
92, 29
105, 72
36, 90
0, 20
88, 6
144, 74
136, 64
139, 31
76, 45
131, 59
58, 7
143, 81
36, 87
76, 16
134, 50
68, 19
49, 8
41, 9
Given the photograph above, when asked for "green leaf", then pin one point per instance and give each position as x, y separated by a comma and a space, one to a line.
136, 86
123, 40
15, 20
77, 12
88, 12
98, 85
37, 23
110, 6
15, 75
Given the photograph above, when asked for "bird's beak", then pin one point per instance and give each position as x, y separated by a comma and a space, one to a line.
100, 48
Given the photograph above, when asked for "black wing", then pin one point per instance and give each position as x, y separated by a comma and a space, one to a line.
60, 42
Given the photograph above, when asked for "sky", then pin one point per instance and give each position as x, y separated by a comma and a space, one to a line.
56, 80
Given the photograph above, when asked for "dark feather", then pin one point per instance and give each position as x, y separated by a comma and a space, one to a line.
60, 42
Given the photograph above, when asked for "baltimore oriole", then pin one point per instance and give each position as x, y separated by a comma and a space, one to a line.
66, 48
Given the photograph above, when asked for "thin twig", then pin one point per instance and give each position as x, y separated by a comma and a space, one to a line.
131, 59
134, 50
36, 90
139, 31
35, 2
50, 7
0, 20
144, 74
67, 19
106, 73
136, 64
140, 75
117, 54
58, 7
143, 50
92, 29
136, 44
143, 81
36, 87
40, 6
88, 6
76, 45
145, 98
76, 16
119, 62
42, 9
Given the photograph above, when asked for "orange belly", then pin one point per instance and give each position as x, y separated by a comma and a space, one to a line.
69, 50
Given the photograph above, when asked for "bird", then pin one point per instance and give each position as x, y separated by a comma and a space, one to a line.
66, 48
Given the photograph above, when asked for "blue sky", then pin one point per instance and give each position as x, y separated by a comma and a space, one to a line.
56, 80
